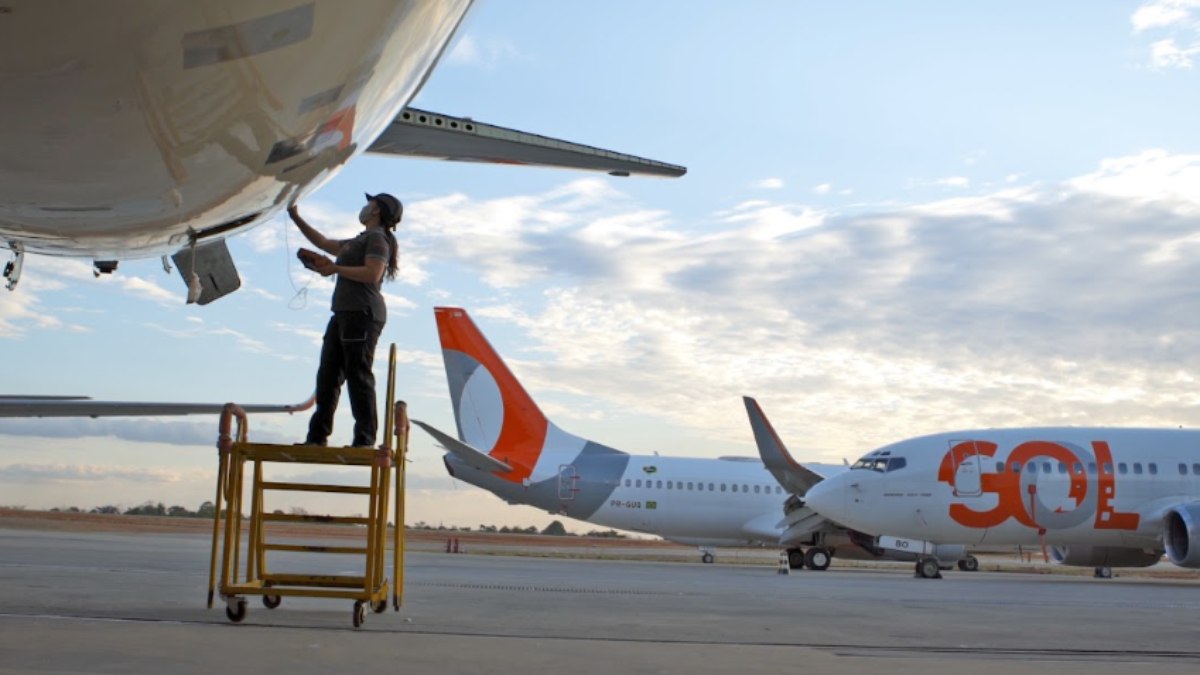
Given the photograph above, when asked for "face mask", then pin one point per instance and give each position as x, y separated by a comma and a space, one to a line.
365, 214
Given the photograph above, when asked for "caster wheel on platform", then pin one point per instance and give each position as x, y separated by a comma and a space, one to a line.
379, 607
236, 615
360, 613
272, 601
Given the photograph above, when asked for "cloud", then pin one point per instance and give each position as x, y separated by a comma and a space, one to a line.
1163, 13
822, 189
84, 473
953, 182
1166, 54
487, 53
768, 184
1181, 18
139, 429
1071, 303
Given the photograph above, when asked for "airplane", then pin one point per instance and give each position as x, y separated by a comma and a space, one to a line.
811, 539
134, 129
1092, 497
506, 445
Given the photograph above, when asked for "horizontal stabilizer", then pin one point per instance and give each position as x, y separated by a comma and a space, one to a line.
792, 475
418, 133
473, 458
82, 406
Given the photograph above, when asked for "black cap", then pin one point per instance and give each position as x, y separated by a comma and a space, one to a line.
391, 207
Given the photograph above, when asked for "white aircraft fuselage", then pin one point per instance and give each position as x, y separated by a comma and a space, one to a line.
129, 127
696, 501
1123, 490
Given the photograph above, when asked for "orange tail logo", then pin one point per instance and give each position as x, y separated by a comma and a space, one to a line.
493, 411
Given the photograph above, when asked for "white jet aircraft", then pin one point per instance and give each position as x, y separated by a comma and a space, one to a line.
1095, 497
812, 539
506, 445
139, 128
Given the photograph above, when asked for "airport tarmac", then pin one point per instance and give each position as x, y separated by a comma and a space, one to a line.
74, 602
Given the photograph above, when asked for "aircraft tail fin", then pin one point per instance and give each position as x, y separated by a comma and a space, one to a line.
792, 475
493, 411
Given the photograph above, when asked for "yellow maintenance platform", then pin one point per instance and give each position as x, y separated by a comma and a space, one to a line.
231, 527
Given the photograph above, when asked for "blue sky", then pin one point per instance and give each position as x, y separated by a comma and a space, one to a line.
899, 218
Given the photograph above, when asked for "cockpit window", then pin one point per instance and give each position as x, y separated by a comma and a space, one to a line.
881, 464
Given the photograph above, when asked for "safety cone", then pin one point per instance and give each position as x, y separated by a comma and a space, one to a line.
784, 566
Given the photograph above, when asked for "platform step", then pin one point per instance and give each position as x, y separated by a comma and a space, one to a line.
316, 487
302, 548
308, 518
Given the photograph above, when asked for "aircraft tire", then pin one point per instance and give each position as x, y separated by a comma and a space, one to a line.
795, 558
707, 558
927, 568
969, 564
1104, 573
817, 558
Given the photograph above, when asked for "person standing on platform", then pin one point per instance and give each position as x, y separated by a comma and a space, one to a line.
359, 314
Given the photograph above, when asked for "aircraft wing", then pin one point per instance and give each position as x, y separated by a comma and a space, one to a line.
474, 458
792, 475
419, 133
83, 406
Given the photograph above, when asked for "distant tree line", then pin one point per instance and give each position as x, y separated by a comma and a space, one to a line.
205, 510
554, 529
149, 508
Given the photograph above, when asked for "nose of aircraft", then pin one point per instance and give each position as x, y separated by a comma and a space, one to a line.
828, 498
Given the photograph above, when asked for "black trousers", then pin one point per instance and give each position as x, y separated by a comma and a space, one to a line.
347, 353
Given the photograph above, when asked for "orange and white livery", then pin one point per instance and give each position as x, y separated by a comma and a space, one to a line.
1097, 497
505, 444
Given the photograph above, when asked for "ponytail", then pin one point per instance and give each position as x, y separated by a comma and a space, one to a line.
393, 264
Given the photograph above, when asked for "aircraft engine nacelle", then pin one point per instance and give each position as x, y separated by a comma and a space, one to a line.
1103, 556
1181, 534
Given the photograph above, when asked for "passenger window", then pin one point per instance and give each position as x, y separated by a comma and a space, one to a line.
1153, 467
659, 486
628, 482
710, 487
1031, 467
756, 489
1045, 467
999, 467
1196, 469
1062, 468
639, 482
1182, 469
1107, 468
1137, 468
1078, 468
734, 487
722, 487
689, 485
779, 490
1016, 467
745, 488
1123, 468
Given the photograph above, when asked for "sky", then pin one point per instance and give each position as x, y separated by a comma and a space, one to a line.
898, 219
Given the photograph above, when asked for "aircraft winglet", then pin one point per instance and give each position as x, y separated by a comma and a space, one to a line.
474, 458
792, 475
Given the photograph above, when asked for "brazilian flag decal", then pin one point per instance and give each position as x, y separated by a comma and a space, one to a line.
652, 505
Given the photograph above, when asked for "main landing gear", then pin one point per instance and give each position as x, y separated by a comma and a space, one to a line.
969, 564
816, 558
707, 557
928, 568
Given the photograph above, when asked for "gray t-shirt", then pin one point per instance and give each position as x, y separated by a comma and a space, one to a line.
351, 295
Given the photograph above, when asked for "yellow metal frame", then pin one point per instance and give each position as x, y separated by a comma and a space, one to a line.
372, 588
